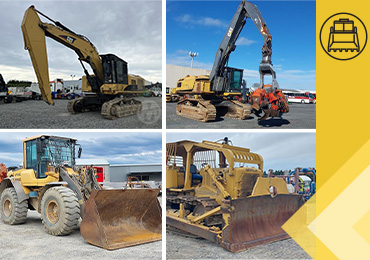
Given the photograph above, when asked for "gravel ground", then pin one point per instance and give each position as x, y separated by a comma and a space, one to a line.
300, 116
38, 114
30, 241
180, 246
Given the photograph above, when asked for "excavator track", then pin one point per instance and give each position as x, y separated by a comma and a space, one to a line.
196, 109
238, 110
73, 104
120, 107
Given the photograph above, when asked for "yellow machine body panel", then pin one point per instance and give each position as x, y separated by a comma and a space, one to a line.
175, 178
114, 89
263, 186
194, 84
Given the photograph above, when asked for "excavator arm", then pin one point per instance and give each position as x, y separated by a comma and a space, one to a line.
34, 32
245, 10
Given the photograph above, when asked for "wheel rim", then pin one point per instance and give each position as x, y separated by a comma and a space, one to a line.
7, 207
52, 211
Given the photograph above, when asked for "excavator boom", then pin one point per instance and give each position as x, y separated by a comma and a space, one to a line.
34, 33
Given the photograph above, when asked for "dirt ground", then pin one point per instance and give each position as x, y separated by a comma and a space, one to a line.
30, 241
37, 114
180, 245
300, 116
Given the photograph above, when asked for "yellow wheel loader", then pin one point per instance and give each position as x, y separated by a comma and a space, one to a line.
107, 89
49, 184
216, 191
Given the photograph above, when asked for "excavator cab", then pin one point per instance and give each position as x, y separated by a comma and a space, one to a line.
234, 79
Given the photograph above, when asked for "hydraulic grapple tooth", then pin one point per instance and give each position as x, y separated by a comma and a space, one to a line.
266, 115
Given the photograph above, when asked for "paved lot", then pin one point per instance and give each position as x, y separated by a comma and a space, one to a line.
300, 116
181, 246
30, 241
38, 114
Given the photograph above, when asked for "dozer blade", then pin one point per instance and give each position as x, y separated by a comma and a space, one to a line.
257, 220
121, 218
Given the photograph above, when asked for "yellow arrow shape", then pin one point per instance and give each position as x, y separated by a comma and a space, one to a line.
335, 225
343, 225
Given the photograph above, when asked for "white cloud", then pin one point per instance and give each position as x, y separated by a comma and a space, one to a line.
245, 41
280, 151
188, 19
130, 29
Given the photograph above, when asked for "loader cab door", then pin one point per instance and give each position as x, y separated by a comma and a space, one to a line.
34, 158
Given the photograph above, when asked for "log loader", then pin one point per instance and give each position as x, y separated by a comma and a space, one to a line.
107, 89
216, 191
49, 184
206, 97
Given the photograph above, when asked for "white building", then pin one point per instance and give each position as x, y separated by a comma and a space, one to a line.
174, 73
145, 172
98, 162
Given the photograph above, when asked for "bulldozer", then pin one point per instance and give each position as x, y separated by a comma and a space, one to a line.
216, 191
110, 86
49, 184
207, 97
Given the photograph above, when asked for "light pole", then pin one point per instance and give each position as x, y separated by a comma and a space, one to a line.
72, 76
193, 55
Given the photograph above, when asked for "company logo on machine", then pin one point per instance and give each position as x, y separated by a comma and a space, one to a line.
230, 32
343, 36
68, 38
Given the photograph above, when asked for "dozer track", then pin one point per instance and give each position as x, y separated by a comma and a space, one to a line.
120, 107
196, 109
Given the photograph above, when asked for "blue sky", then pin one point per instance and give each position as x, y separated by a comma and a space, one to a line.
199, 26
116, 147
280, 151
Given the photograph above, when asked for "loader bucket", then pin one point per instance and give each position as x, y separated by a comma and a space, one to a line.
121, 218
257, 220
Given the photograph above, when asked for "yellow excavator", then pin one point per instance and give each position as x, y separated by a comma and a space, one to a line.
50, 184
216, 191
207, 97
107, 89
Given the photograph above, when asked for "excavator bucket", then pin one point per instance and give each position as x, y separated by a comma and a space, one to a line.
121, 218
257, 220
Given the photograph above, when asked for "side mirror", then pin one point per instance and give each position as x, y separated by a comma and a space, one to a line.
79, 152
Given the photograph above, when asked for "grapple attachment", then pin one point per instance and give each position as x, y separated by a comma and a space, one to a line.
257, 220
121, 218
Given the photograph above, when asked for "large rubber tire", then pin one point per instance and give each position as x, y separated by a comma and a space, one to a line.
60, 211
12, 212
